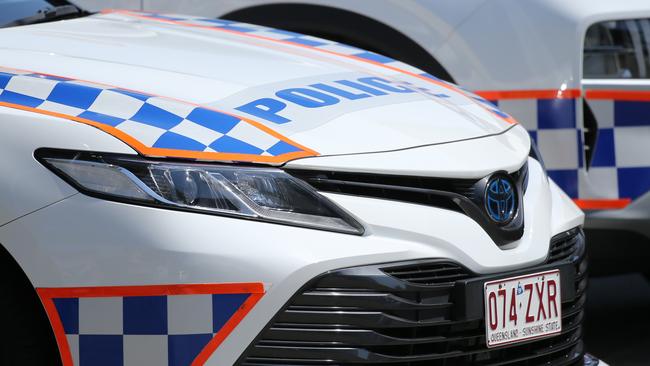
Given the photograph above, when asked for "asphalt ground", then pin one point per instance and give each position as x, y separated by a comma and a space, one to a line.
617, 323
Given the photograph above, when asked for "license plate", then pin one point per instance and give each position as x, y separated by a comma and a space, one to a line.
522, 308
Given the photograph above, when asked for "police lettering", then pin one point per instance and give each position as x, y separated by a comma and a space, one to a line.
321, 95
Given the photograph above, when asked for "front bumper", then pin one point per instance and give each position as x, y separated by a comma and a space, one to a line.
82, 242
424, 312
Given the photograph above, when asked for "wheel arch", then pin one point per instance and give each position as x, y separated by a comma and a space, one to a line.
344, 26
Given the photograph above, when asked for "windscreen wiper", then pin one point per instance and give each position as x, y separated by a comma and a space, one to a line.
49, 14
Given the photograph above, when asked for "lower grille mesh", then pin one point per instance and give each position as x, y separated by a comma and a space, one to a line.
409, 315
429, 273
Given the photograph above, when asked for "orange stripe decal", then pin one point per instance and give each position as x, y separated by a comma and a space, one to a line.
530, 94
602, 204
631, 95
209, 349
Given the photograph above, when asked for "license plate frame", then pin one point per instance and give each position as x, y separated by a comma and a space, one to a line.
503, 325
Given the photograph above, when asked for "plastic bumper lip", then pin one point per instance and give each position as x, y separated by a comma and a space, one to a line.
458, 291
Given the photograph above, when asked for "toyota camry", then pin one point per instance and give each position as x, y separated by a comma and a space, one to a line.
186, 191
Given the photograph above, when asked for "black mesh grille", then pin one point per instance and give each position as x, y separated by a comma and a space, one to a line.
414, 314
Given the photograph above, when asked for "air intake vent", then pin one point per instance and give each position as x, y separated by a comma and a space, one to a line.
428, 273
563, 246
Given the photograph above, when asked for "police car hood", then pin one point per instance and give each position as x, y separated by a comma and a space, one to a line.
218, 90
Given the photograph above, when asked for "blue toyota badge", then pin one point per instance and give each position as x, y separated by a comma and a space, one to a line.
500, 199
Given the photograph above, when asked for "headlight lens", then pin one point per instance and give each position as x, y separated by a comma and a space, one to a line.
265, 194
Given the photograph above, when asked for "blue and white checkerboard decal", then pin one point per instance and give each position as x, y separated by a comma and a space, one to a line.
552, 125
155, 122
620, 165
143, 330
149, 330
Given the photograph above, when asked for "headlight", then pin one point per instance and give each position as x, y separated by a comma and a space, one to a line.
265, 194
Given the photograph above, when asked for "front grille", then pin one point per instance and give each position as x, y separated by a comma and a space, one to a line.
461, 195
421, 190
414, 314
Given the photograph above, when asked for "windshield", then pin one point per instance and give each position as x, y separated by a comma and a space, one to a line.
15, 10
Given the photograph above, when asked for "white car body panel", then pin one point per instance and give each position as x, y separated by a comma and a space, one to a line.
31, 188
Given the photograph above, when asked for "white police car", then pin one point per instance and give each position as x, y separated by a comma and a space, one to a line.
188, 191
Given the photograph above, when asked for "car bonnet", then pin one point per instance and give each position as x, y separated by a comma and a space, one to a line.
209, 89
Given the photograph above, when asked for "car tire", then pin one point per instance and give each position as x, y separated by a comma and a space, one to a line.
28, 338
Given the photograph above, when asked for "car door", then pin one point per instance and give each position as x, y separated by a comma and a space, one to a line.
616, 88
